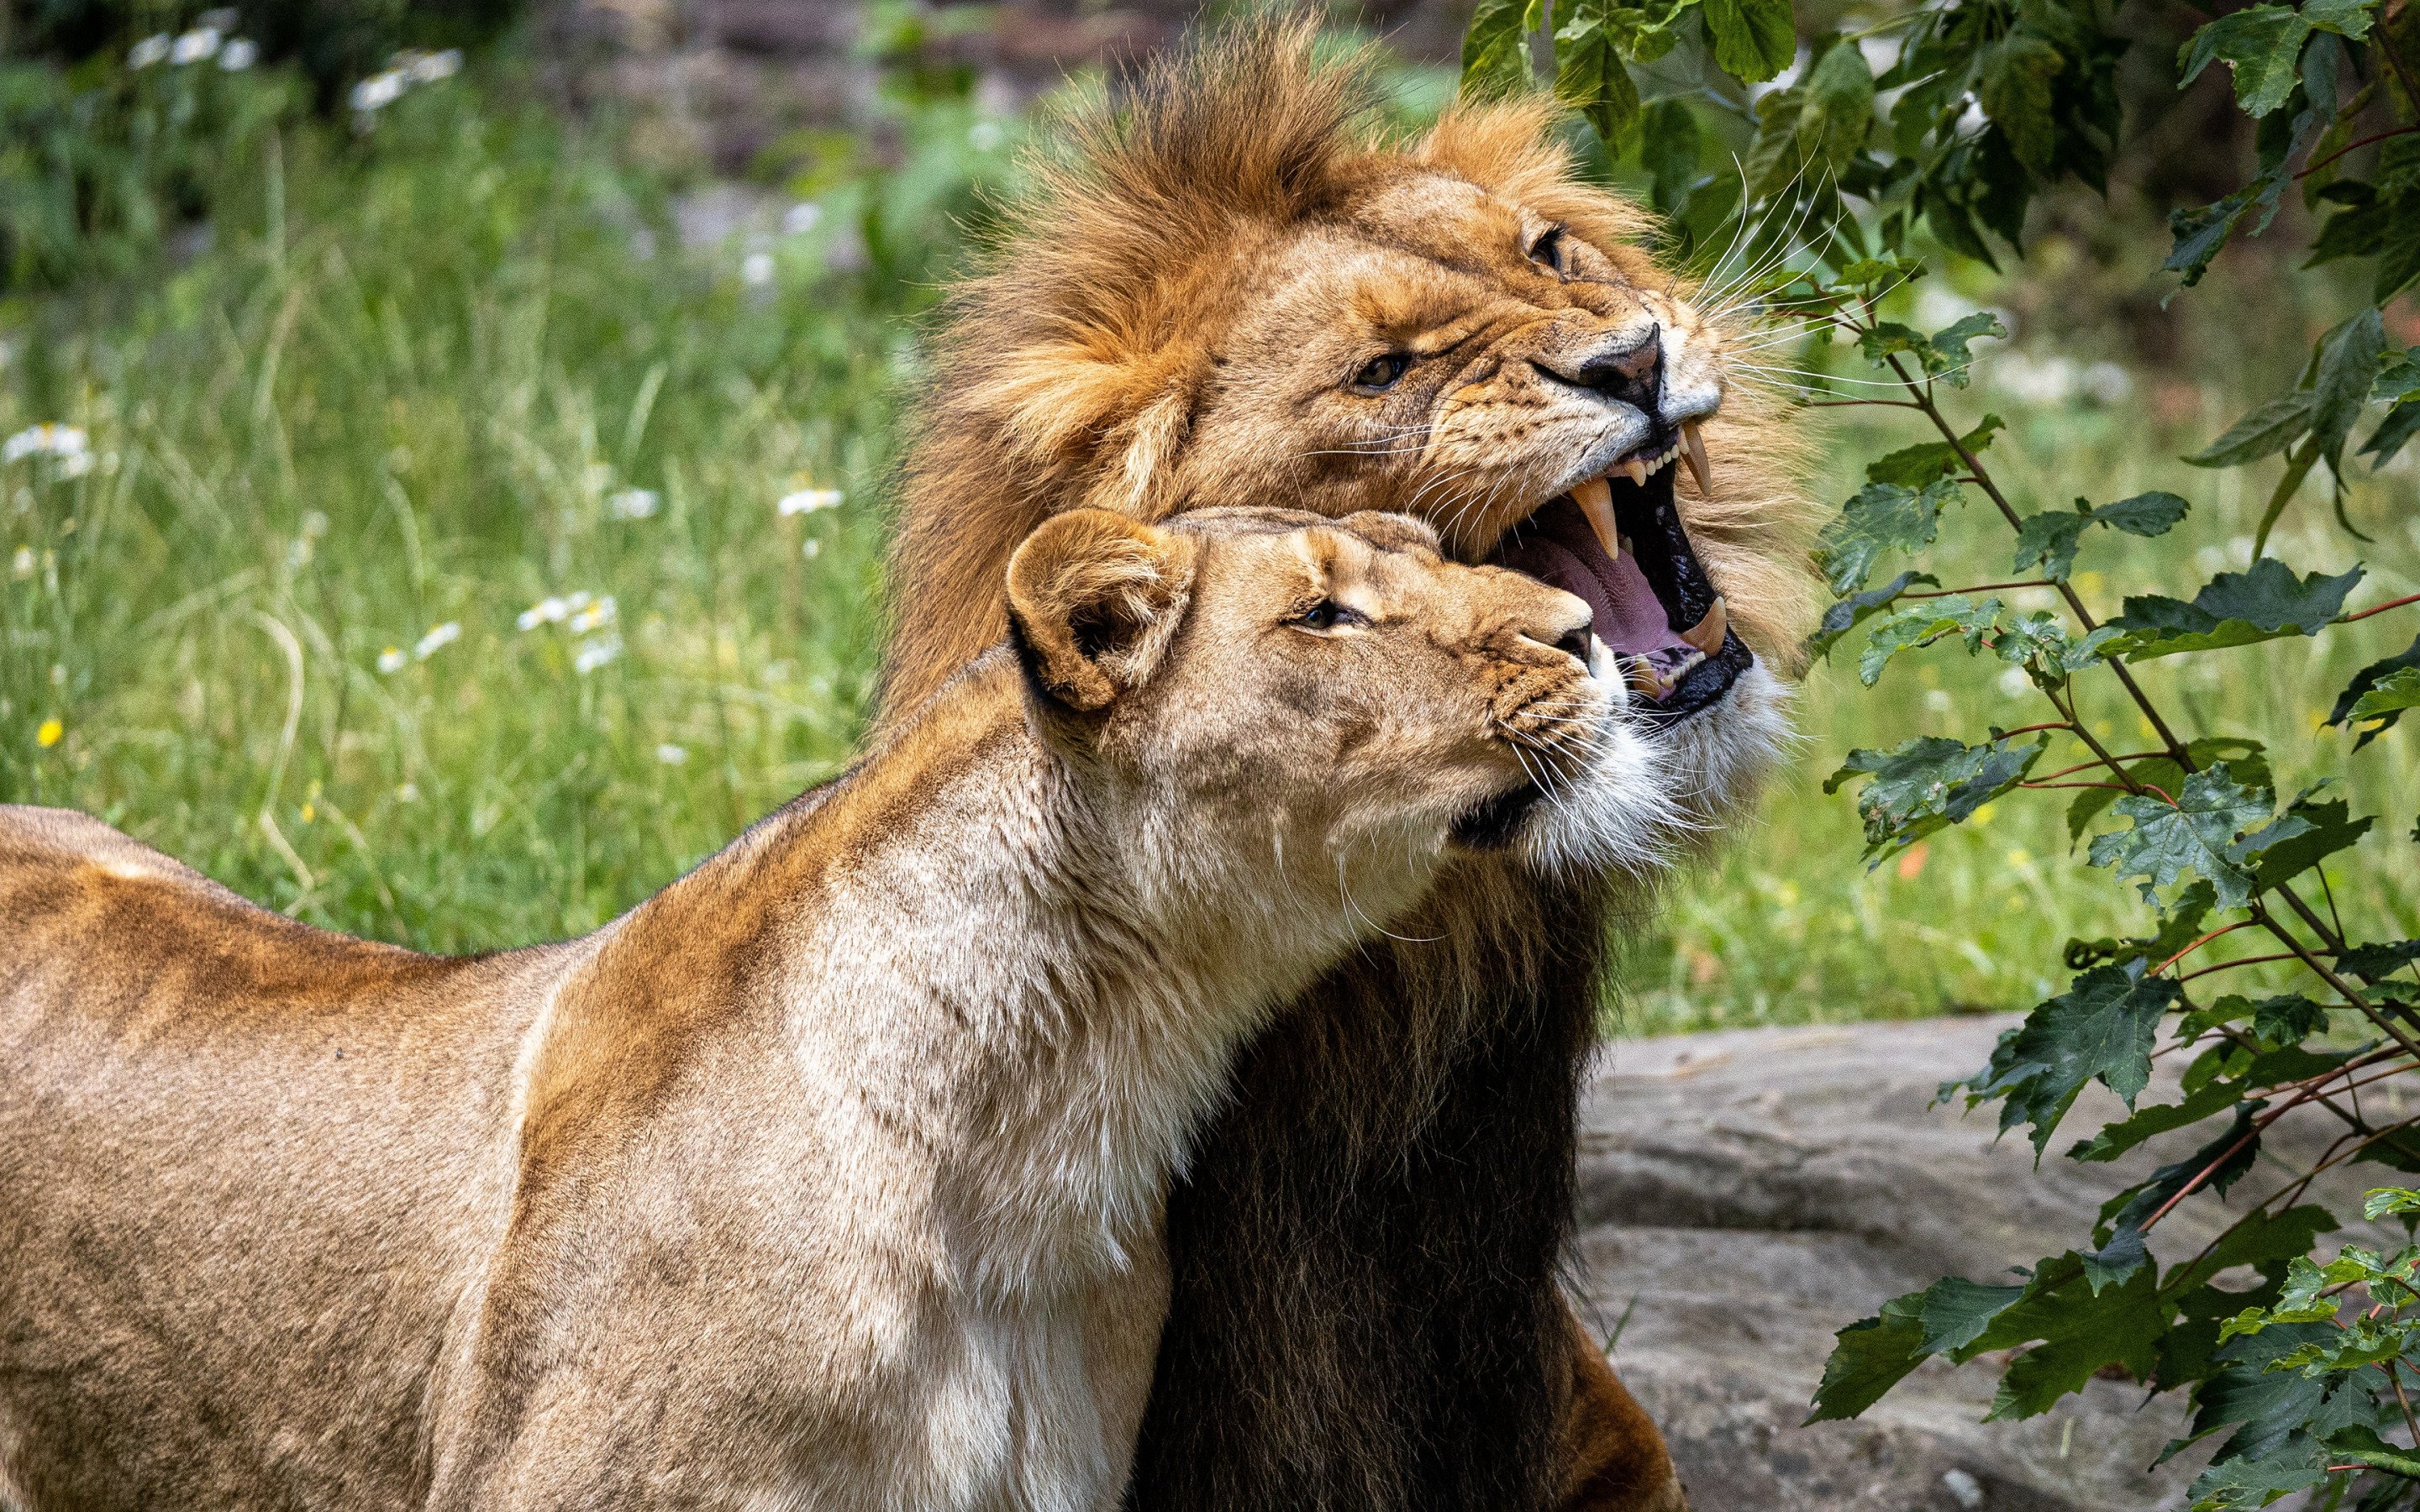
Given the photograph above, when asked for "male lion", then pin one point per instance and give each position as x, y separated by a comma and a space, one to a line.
1224, 286
835, 1175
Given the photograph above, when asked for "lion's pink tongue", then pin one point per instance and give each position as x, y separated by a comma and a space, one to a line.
1558, 547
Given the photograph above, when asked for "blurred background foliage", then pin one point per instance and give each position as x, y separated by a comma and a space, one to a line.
361, 371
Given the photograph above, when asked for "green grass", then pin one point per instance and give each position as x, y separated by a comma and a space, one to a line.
405, 386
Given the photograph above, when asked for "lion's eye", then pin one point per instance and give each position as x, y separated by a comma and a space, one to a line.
1547, 251
1379, 374
1327, 614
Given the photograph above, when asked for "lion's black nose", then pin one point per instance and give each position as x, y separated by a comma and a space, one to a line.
1629, 370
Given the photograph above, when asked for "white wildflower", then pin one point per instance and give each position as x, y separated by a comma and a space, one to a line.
408, 792
985, 136
195, 45
377, 92
2107, 383
392, 660
75, 464
547, 611
428, 67
672, 755
22, 565
757, 269
151, 50
438, 638
807, 502
1937, 699
813, 548
591, 616
801, 218
633, 503
63, 442
2015, 684
595, 653
239, 54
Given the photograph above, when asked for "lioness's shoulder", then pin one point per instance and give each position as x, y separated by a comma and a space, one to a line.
51, 838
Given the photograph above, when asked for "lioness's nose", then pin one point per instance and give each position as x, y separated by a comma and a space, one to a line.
1628, 368
1554, 618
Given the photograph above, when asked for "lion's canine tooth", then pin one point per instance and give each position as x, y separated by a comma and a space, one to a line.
1693, 442
1635, 470
1706, 636
1595, 499
1643, 679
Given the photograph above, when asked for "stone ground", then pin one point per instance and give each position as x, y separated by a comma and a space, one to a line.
1756, 1190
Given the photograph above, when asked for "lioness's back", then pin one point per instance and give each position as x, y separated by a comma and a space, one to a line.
218, 1127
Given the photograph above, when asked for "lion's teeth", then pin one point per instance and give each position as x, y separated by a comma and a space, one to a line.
1635, 470
1693, 441
1595, 499
1707, 634
1644, 680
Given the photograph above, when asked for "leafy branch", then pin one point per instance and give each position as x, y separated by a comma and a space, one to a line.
1929, 134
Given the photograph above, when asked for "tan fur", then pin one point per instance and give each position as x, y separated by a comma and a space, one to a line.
1171, 322
832, 1176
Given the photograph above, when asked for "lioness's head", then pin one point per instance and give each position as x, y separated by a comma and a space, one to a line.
1227, 288
1335, 687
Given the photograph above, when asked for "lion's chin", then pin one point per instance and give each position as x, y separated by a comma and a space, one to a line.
1660, 786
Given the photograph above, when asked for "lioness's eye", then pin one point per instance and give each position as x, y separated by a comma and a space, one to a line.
1547, 251
1327, 616
1379, 374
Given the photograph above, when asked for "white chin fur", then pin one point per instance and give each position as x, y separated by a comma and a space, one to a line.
1641, 801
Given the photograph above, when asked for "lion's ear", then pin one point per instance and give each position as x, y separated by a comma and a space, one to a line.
1093, 598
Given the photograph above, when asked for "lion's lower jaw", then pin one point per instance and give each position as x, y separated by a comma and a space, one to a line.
1649, 802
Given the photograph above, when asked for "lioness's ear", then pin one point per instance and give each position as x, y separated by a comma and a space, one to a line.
1092, 599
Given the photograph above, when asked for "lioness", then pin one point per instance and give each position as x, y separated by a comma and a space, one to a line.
1226, 282
832, 1176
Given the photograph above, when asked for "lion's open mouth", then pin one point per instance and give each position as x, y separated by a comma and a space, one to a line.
1617, 541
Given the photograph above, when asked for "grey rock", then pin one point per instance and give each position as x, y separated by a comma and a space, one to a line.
1755, 1190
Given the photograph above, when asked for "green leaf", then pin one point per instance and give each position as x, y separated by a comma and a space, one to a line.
2250, 764
1955, 1312
1869, 1358
1495, 49
2271, 428
2051, 538
2201, 233
2145, 513
1837, 111
2381, 1201
2364, 683
2400, 424
2229, 1484
2080, 1330
2319, 831
2391, 694
1943, 355
2234, 609
2103, 1026
1950, 342
1856, 609
1668, 145
2197, 834
1881, 517
1930, 783
2347, 367
1590, 74
2376, 963
2160, 1118
2262, 44
2361, 1446
1913, 466
2014, 90
1923, 624
1754, 39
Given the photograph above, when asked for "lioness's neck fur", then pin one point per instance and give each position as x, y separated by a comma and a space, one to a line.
835, 1175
